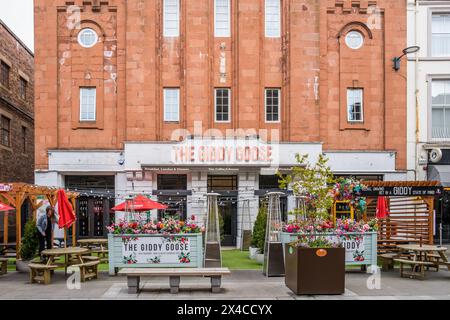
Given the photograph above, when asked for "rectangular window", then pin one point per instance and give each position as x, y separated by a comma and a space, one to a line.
440, 35
4, 74
273, 18
222, 105
171, 18
222, 18
273, 105
23, 88
88, 104
24, 139
355, 105
5, 126
172, 104
440, 109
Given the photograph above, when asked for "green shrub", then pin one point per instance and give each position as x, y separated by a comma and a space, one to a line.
259, 229
30, 242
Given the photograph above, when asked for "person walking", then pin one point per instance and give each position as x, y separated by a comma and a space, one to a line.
45, 226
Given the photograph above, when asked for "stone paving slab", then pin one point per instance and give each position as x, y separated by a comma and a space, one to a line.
240, 285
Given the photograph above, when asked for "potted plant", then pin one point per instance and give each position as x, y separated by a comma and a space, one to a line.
315, 265
29, 246
259, 235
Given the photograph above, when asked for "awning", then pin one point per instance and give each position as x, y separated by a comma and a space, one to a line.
439, 173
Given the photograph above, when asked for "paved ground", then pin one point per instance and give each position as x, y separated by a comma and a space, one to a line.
242, 284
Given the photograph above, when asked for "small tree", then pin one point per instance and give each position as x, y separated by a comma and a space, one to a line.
311, 181
259, 229
30, 241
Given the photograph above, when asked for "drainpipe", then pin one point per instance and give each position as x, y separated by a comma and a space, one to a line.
416, 93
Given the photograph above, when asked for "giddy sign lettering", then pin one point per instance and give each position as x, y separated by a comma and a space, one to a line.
156, 250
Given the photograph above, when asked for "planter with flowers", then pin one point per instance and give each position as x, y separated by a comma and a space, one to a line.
315, 265
319, 190
155, 244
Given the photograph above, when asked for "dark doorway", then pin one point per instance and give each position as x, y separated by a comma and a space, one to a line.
443, 218
269, 183
94, 204
227, 187
172, 192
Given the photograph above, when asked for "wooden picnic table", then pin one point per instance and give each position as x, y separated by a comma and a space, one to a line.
67, 253
96, 245
423, 256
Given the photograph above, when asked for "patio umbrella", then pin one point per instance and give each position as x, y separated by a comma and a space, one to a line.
141, 203
66, 214
4, 207
382, 208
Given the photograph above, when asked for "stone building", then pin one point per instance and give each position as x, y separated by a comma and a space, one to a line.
16, 109
175, 98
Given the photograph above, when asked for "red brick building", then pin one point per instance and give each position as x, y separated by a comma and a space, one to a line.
116, 78
16, 109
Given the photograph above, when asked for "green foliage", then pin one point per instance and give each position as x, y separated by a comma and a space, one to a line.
30, 241
259, 229
311, 181
314, 242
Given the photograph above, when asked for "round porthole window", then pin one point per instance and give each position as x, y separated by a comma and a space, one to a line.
354, 40
87, 38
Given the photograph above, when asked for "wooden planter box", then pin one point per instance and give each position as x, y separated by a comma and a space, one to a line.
155, 251
360, 249
311, 271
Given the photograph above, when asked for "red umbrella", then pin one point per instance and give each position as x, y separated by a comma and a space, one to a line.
4, 207
382, 208
141, 203
66, 214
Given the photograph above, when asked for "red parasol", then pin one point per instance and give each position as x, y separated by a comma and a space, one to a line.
382, 208
141, 203
65, 211
4, 207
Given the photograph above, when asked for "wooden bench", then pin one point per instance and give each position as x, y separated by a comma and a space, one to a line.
41, 273
88, 270
134, 275
3, 266
387, 260
91, 258
417, 268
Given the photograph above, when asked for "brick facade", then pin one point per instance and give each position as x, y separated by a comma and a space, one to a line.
133, 62
17, 160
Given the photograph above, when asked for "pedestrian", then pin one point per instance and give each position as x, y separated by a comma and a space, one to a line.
45, 226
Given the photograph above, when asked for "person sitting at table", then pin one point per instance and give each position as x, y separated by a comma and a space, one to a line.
45, 226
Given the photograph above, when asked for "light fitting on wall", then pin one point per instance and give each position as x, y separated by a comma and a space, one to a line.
406, 51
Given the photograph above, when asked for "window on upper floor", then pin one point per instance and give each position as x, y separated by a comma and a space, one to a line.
222, 18
88, 108
355, 105
23, 84
440, 35
440, 108
273, 18
4, 74
171, 18
171, 104
272, 105
87, 38
5, 134
222, 104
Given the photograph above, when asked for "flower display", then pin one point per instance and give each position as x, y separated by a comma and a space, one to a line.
166, 226
327, 226
350, 189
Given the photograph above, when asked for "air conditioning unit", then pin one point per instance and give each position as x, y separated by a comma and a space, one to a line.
435, 155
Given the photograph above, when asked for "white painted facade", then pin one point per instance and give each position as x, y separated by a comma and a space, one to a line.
423, 67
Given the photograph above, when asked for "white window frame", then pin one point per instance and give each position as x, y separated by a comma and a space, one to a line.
83, 89
432, 12
362, 105
218, 32
170, 32
166, 105
272, 32
430, 80
80, 34
279, 105
229, 105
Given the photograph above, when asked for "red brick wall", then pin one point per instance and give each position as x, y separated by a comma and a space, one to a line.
309, 62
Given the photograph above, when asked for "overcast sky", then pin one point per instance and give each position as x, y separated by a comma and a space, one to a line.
18, 16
